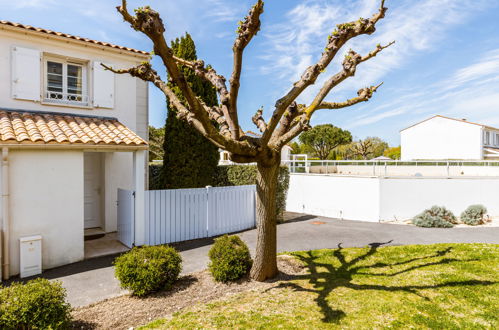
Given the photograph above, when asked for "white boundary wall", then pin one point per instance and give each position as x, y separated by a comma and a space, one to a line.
380, 198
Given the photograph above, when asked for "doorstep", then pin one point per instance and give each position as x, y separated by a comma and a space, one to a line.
102, 245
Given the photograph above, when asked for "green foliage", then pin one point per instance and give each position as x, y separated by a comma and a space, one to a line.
437, 216
322, 139
474, 215
146, 269
393, 153
190, 160
230, 259
156, 181
38, 304
156, 142
238, 175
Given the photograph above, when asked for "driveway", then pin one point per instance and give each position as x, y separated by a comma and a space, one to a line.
93, 280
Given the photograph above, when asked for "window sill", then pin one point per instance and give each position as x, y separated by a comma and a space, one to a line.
67, 105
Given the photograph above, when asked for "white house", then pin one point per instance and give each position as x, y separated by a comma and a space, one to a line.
71, 134
442, 137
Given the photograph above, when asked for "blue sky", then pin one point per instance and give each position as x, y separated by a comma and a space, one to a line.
445, 60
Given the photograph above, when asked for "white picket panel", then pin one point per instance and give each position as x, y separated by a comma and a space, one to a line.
184, 214
231, 209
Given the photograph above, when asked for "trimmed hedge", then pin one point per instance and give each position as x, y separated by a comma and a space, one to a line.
38, 304
234, 175
230, 259
436, 216
474, 215
146, 269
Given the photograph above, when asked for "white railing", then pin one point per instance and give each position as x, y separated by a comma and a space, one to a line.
65, 98
396, 167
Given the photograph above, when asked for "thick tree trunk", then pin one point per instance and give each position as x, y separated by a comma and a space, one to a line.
265, 263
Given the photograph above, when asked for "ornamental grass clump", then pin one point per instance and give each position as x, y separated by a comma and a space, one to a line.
147, 269
437, 216
230, 259
38, 304
474, 215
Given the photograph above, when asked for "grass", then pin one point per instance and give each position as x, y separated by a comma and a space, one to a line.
441, 286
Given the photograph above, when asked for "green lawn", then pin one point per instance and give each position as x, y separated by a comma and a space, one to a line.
442, 286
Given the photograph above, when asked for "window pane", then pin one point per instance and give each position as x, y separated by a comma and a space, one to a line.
54, 79
75, 79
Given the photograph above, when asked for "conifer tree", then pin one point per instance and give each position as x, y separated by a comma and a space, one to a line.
190, 160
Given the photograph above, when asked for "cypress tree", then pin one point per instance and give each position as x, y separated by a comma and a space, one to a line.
190, 160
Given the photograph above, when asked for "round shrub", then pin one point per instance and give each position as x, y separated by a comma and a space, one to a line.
38, 304
146, 269
437, 216
474, 215
230, 259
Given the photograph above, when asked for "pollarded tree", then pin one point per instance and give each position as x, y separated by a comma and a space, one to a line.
368, 148
287, 121
325, 138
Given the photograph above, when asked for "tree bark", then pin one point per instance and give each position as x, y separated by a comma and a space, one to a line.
265, 263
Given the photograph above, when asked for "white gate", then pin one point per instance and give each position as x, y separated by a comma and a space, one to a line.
126, 215
185, 214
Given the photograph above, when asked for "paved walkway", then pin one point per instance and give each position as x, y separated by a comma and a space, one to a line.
93, 280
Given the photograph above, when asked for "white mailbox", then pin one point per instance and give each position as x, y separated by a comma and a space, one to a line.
31, 255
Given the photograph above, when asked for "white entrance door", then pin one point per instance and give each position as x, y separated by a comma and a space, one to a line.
92, 189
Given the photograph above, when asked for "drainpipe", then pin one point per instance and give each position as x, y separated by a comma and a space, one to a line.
5, 214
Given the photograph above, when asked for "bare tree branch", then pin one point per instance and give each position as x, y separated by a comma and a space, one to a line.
336, 40
352, 59
259, 121
245, 32
364, 95
149, 22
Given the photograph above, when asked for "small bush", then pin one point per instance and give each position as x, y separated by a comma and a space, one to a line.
146, 269
437, 216
474, 215
230, 259
38, 304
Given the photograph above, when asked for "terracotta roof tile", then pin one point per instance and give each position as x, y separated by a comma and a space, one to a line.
20, 127
70, 36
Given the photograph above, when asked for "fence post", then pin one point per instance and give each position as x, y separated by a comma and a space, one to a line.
208, 193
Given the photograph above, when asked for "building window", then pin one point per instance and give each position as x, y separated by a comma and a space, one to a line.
65, 82
486, 139
497, 139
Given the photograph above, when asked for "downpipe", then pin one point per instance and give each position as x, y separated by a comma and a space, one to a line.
5, 215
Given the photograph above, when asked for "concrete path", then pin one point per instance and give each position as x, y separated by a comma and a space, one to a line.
93, 280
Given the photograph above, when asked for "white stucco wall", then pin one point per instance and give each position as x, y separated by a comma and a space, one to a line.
403, 198
441, 138
378, 198
351, 198
46, 198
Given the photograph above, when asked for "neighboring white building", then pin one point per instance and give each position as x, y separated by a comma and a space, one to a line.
441, 137
225, 158
71, 134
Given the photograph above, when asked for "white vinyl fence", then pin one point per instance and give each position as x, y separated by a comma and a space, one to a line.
184, 214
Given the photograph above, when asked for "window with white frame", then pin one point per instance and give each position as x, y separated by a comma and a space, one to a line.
497, 139
65, 81
486, 138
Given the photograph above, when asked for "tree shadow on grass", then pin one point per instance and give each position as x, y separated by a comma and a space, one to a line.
325, 277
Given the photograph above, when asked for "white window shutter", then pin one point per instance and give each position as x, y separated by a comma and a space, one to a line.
25, 73
103, 84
